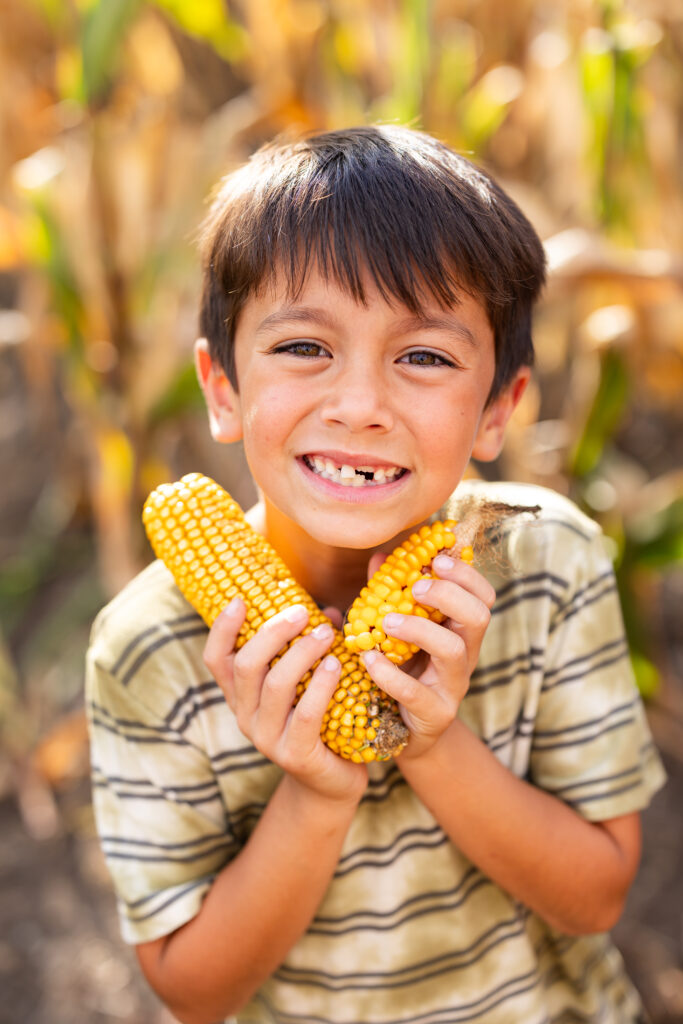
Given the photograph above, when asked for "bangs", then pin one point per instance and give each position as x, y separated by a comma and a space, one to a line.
387, 203
348, 225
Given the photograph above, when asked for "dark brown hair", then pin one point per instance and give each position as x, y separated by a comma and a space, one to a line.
421, 219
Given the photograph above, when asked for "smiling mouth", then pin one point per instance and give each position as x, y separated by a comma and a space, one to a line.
353, 476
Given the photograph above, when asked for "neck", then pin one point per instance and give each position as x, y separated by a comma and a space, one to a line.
331, 575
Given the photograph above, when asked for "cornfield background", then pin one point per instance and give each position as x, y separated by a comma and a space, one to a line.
116, 119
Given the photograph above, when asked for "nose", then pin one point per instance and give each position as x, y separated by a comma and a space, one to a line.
359, 400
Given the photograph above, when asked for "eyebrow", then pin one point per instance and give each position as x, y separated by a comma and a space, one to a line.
319, 317
295, 315
437, 323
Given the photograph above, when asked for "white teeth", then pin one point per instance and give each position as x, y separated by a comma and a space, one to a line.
350, 476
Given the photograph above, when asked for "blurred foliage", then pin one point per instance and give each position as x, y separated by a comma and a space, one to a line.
116, 119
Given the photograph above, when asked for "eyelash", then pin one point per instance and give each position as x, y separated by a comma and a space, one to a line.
312, 350
291, 349
438, 360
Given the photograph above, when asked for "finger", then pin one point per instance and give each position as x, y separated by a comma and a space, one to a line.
252, 662
421, 705
466, 576
465, 613
376, 560
306, 718
447, 649
220, 646
280, 684
334, 615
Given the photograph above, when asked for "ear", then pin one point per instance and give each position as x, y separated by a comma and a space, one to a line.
494, 420
222, 401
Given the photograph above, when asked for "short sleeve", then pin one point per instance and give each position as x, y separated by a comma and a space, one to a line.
157, 809
591, 745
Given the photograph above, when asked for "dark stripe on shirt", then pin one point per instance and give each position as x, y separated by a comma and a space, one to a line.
621, 655
529, 595
136, 918
161, 737
371, 921
134, 789
449, 1015
168, 624
133, 850
588, 721
195, 706
382, 856
598, 781
169, 638
598, 588
238, 760
536, 577
415, 974
542, 748
527, 663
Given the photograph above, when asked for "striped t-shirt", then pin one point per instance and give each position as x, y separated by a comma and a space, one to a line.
409, 931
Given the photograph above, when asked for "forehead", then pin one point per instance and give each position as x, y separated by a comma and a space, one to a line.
293, 292
320, 301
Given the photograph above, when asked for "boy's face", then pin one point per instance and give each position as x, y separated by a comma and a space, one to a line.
358, 421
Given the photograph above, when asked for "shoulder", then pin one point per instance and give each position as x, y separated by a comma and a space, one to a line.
550, 507
547, 533
147, 640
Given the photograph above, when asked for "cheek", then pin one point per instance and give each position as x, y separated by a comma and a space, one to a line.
450, 428
268, 419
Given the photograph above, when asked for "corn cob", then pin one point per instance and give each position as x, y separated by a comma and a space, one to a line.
200, 533
390, 590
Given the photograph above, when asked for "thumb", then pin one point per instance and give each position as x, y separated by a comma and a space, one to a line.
334, 615
375, 561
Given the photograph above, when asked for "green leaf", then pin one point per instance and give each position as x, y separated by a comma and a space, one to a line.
103, 30
657, 542
182, 395
605, 414
208, 20
55, 12
411, 60
50, 250
647, 676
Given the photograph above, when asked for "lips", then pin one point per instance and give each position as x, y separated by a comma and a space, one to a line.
362, 474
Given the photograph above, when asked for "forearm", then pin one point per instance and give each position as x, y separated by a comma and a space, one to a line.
573, 873
255, 911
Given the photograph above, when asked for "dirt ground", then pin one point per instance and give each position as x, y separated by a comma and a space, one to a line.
62, 960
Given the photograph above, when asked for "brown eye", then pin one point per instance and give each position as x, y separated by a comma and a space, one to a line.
307, 349
423, 357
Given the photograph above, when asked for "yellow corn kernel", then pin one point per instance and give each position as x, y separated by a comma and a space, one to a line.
392, 585
200, 533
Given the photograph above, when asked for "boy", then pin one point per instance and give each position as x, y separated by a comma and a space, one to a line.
366, 319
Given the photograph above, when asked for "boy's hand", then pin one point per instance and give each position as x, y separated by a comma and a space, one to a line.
429, 698
262, 697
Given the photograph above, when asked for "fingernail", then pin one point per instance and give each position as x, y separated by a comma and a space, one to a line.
232, 608
443, 562
421, 587
392, 620
296, 613
323, 631
331, 664
369, 656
